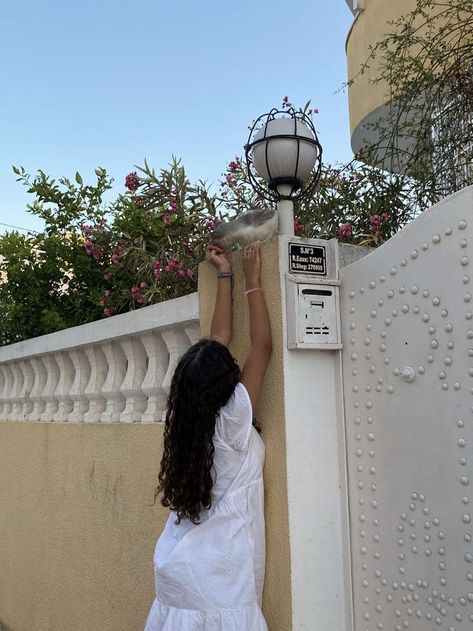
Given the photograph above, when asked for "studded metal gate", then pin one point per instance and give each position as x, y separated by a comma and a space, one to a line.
407, 323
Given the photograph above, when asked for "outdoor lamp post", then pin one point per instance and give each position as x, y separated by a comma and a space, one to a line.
283, 149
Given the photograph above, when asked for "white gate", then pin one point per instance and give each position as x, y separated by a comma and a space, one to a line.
407, 324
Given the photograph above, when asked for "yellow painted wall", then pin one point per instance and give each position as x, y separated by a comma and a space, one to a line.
76, 530
369, 28
76, 534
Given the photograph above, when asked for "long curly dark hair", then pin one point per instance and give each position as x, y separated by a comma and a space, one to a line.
203, 382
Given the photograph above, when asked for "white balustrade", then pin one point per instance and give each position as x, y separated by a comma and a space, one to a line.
152, 386
37, 389
93, 390
7, 390
52, 380
28, 381
113, 370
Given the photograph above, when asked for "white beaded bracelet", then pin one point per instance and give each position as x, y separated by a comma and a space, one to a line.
250, 291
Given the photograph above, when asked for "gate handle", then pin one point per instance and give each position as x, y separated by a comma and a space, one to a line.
407, 374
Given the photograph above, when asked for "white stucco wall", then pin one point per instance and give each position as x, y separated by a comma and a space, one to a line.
316, 481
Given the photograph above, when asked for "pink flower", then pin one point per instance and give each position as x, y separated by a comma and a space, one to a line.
107, 311
229, 179
172, 263
136, 294
131, 181
385, 216
298, 227
374, 221
101, 303
173, 205
158, 273
139, 201
89, 247
344, 231
116, 260
181, 273
209, 225
143, 285
167, 217
97, 253
86, 230
190, 273
107, 276
233, 166
107, 293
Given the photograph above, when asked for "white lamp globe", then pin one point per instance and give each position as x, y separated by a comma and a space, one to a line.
279, 158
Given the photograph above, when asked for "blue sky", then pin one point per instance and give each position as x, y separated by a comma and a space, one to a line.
109, 83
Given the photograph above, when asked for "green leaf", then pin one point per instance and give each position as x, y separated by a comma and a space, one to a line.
79, 179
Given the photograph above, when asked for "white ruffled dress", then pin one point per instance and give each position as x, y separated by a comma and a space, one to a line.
209, 576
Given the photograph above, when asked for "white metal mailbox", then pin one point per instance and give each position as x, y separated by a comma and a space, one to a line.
313, 314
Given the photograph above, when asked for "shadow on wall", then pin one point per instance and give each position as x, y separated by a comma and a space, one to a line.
3, 627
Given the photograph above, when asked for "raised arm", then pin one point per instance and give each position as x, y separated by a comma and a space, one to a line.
221, 327
260, 329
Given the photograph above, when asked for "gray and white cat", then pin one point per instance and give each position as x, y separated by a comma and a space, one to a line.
258, 224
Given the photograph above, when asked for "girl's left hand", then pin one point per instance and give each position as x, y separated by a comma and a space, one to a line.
217, 256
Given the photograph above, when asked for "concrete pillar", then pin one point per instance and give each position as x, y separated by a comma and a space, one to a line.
307, 583
270, 414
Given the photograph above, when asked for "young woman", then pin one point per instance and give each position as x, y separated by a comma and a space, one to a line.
209, 561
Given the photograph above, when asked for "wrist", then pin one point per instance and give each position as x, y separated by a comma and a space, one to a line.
252, 284
224, 268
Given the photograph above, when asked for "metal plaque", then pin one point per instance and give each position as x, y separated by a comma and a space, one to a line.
307, 259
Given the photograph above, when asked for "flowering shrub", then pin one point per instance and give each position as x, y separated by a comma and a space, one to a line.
355, 202
95, 259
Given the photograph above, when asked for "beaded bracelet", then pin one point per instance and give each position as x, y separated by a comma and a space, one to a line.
226, 275
250, 291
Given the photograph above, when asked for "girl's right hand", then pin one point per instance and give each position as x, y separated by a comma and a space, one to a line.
252, 265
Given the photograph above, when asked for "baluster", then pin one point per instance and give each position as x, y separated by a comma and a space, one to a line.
16, 403
37, 391
28, 381
81, 377
93, 389
7, 385
116, 362
66, 377
135, 374
193, 332
50, 387
7, 391
177, 343
2, 386
152, 386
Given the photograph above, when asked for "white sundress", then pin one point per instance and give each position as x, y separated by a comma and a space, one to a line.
209, 576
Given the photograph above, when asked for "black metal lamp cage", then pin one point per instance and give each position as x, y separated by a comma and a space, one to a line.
271, 192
